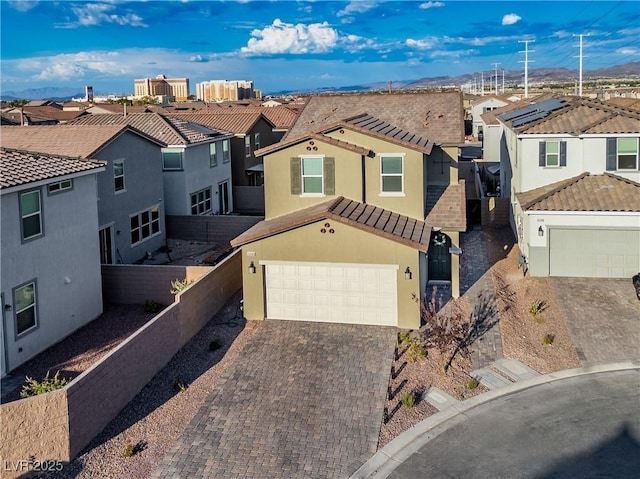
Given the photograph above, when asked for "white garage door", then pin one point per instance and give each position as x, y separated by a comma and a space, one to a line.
594, 253
333, 293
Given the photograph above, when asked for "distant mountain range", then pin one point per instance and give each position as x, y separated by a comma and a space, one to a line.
547, 75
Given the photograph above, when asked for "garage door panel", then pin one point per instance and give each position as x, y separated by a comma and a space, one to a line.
596, 253
358, 294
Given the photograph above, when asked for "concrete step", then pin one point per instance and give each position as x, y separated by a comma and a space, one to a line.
490, 379
438, 398
514, 369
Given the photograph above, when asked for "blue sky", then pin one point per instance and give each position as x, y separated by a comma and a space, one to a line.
300, 45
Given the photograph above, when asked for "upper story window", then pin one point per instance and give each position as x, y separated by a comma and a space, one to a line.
312, 176
226, 154
552, 153
213, 159
247, 145
391, 174
25, 304
626, 153
118, 175
256, 140
172, 159
144, 225
60, 186
31, 214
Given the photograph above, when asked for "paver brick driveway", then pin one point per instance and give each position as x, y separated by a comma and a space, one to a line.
603, 317
302, 400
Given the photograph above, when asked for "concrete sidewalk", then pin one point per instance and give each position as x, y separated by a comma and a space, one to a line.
410, 451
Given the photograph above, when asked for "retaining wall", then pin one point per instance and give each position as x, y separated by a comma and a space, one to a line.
219, 229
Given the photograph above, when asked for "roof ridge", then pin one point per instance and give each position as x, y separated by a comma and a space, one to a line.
563, 184
56, 155
167, 121
621, 178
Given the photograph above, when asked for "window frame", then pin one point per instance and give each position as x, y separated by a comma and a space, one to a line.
34, 305
247, 145
198, 202
213, 155
61, 188
547, 153
23, 216
303, 176
383, 175
141, 225
226, 151
116, 177
180, 151
637, 147
256, 141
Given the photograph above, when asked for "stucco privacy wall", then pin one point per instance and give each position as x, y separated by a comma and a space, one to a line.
218, 229
135, 284
58, 425
495, 211
37, 426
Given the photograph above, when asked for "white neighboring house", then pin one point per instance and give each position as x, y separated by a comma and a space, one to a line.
51, 283
574, 173
481, 106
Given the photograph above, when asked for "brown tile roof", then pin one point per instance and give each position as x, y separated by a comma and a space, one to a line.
52, 112
585, 192
314, 136
448, 208
438, 117
116, 108
236, 123
18, 167
164, 129
630, 103
283, 117
81, 141
372, 219
585, 116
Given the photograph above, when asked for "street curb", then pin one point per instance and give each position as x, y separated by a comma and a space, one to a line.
385, 460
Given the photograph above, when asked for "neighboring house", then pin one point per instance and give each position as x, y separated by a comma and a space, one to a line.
481, 106
51, 283
251, 131
47, 114
195, 160
130, 192
362, 212
117, 108
574, 170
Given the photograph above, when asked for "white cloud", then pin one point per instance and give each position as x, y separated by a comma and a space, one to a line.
562, 34
430, 4
628, 51
92, 14
424, 44
453, 53
22, 5
281, 37
356, 7
198, 59
511, 19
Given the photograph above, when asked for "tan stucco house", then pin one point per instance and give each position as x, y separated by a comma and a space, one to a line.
363, 209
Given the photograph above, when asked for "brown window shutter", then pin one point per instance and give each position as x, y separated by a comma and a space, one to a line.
296, 177
329, 167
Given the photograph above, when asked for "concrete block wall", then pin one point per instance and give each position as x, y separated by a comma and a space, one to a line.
248, 199
495, 211
58, 425
219, 229
35, 427
135, 284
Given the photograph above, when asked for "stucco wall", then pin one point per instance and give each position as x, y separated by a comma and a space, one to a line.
248, 199
34, 427
346, 245
495, 211
219, 229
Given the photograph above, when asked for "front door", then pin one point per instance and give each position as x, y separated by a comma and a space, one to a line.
223, 196
106, 245
439, 257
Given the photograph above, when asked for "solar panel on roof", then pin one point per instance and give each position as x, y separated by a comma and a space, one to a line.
529, 118
519, 112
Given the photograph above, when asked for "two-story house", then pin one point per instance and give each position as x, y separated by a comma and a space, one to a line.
130, 192
51, 282
574, 171
362, 211
195, 161
480, 106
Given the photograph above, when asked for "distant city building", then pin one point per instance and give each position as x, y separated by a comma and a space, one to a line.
224, 90
88, 93
176, 88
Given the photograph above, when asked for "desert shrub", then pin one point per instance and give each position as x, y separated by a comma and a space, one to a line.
179, 285
151, 307
536, 307
408, 399
133, 449
180, 385
548, 339
34, 387
417, 350
473, 384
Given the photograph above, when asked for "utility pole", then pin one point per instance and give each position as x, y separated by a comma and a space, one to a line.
495, 70
526, 64
503, 81
482, 84
580, 56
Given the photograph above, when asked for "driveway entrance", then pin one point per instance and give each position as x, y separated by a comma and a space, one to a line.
303, 399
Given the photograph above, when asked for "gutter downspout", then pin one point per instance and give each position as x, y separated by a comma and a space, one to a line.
364, 179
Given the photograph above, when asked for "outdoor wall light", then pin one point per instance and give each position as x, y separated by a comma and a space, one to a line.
252, 268
7, 307
407, 273
540, 231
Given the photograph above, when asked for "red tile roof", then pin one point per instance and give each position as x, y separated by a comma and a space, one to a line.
372, 219
448, 210
585, 192
19, 167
